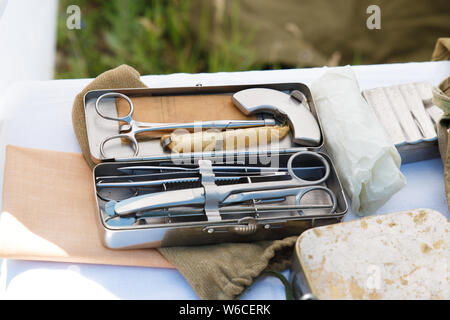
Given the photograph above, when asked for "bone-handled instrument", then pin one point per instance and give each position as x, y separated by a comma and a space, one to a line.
303, 124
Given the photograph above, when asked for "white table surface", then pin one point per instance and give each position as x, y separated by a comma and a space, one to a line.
38, 114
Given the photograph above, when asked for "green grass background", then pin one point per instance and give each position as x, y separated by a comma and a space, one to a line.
152, 36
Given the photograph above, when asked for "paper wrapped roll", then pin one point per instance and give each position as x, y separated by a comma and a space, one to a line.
365, 159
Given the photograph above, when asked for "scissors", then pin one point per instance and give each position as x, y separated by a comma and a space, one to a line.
234, 193
132, 127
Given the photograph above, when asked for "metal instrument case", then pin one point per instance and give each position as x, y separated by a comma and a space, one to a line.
181, 232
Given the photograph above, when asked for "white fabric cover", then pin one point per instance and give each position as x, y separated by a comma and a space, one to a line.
366, 161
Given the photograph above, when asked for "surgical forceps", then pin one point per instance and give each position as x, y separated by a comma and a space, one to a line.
132, 127
234, 193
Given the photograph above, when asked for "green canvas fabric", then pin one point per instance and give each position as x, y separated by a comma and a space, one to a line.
441, 98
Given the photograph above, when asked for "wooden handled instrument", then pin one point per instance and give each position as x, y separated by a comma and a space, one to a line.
214, 140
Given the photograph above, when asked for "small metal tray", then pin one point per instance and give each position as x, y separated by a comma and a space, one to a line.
162, 232
409, 117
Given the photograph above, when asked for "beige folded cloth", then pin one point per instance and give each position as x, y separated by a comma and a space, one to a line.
49, 212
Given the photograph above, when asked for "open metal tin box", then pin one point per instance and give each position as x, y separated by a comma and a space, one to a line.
176, 231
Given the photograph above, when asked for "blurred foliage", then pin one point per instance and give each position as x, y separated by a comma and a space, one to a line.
152, 36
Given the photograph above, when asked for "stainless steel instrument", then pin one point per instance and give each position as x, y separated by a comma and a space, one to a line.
246, 169
193, 175
149, 183
132, 127
294, 107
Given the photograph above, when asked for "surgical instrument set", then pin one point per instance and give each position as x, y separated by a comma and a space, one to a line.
152, 197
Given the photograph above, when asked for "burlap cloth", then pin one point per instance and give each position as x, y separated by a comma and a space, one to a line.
221, 271
441, 98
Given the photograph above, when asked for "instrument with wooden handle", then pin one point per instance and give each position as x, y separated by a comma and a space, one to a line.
214, 140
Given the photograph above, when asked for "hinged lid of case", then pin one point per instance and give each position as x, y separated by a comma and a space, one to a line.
99, 128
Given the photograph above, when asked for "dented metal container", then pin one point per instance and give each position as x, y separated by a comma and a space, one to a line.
402, 255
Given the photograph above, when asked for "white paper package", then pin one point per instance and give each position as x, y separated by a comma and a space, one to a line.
366, 160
